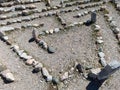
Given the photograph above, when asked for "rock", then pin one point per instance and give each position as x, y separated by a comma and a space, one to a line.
101, 54
38, 67
29, 61
25, 56
92, 76
45, 72
118, 36
95, 71
20, 8
116, 31
55, 81
56, 30
79, 68
5, 38
3, 17
51, 31
100, 41
7, 75
97, 28
113, 24
6, 28
64, 76
49, 78
50, 49
15, 48
103, 62
47, 32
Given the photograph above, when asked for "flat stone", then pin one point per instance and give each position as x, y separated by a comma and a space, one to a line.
64, 76
51, 49
103, 62
95, 71
6, 28
29, 61
49, 78
101, 54
45, 72
7, 75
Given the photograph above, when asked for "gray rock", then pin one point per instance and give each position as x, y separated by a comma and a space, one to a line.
49, 78
6, 28
45, 72
101, 54
55, 80
7, 75
51, 49
64, 76
103, 62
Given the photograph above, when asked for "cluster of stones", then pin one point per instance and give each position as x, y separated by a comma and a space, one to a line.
6, 74
113, 26
29, 60
117, 4
17, 2
99, 43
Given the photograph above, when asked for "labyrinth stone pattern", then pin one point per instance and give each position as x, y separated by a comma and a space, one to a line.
59, 44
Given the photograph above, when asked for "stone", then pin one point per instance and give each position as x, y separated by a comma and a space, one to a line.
79, 68
95, 71
20, 8
5, 38
101, 54
100, 41
51, 31
45, 72
118, 36
93, 17
3, 17
25, 56
108, 70
15, 48
97, 28
29, 61
113, 24
50, 49
49, 78
56, 30
7, 75
64, 76
116, 31
103, 62
55, 81
6, 28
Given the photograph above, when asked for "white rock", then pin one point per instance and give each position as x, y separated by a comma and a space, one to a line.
103, 62
56, 30
95, 71
45, 72
8, 75
6, 28
15, 48
51, 31
47, 32
49, 78
65, 76
39, 65
100, 41
101, 54
99, 38
97, 28
5, 38
29, 61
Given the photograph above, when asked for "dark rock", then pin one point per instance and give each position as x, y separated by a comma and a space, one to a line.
79, 68
50, 49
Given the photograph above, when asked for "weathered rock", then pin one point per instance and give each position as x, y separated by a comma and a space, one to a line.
7, 75
55, 80
50, 49
101, 54
118, 36
29, 61
95, 71
97, 28
116, 31
103, 62
49, 78
100, 41
6, 28
51, 31
64, 76
79, 68
45, 72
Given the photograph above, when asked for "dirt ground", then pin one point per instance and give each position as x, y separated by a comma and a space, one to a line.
74, 45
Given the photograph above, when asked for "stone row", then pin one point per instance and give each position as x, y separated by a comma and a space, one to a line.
29, 60
117, 4
17, 8
18, 2
113, 26
36, 17
99, 43
29, 12
6, 74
